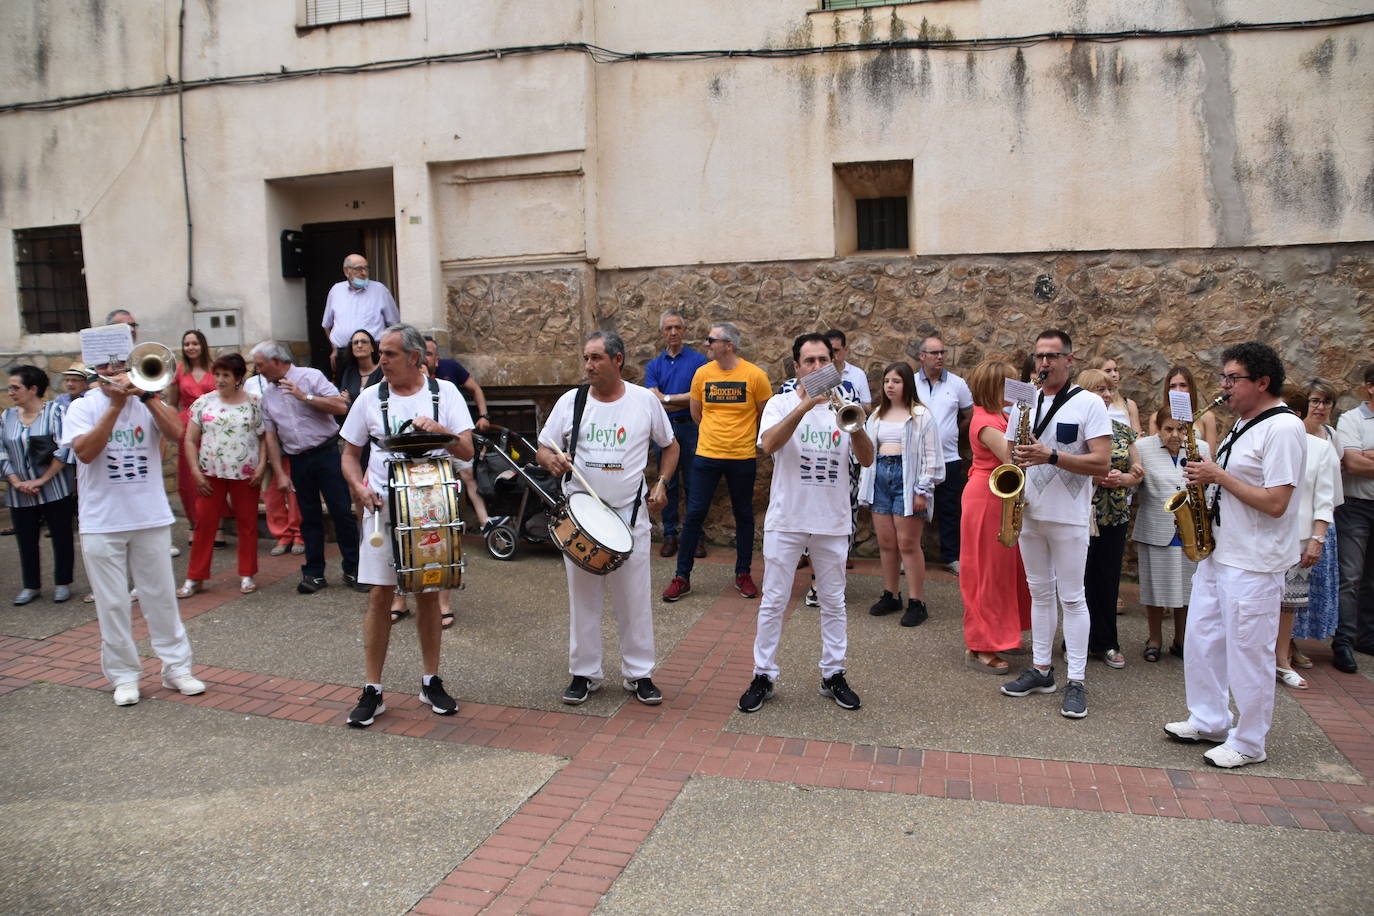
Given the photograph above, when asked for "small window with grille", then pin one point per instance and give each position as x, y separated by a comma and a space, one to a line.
52, 279
881, 223
329, 12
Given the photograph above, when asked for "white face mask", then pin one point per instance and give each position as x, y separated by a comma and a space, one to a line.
359, 282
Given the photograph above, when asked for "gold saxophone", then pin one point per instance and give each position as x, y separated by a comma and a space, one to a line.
1189, 505
1008, 483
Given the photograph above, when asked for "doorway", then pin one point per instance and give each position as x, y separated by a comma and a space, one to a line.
326, 246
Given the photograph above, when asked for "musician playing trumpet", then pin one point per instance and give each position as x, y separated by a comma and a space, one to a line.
1070, 444
405, 400
1233, 619
607, 427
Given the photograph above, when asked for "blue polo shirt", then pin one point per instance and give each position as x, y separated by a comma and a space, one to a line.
452, 371
673, 374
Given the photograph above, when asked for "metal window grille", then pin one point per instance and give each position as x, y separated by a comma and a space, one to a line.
882, 223
52, 279
325, 12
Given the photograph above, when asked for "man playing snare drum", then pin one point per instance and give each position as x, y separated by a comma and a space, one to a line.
610, 448
430, 407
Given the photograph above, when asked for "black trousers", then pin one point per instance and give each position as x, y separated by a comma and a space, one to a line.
1102, 585
27, 524
315, 474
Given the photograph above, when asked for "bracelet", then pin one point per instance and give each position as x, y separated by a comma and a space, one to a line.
1319, 538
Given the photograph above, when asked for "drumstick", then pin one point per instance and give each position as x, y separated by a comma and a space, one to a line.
376, 539
576, 473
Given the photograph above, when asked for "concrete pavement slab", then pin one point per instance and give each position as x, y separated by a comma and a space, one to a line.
509, 645
917, 692
169, 808
731, 846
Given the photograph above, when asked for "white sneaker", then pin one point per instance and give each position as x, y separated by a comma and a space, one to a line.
184, 684
953, 567
126, 694
1186, 732
1223, 756
176, 551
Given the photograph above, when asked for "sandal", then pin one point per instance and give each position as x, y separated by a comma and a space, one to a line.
1300, 660
998, 665
446, 620
397, 615
247, 586
1291, 678
188, 588
1176, 650
1152, 653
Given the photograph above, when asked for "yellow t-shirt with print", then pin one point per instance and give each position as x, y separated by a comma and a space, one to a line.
730, 405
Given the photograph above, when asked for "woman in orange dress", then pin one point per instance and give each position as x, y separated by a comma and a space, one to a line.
992, 579
193, 379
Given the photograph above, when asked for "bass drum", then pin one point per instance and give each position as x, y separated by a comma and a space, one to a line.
426, 524
590, 534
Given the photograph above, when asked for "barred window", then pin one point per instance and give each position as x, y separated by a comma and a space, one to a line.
328, 12
52, 279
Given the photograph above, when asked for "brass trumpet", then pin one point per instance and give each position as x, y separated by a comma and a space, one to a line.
849, 416
150, 367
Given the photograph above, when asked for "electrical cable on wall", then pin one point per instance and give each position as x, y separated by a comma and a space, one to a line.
606, 56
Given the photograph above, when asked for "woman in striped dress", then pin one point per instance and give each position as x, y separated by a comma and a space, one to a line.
37, 493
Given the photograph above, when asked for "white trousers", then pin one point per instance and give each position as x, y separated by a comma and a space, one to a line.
1233, 622
781, 551
1055, 555
634, 618
147, 554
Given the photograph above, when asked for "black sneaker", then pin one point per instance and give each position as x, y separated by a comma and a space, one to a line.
760, 689
578, 691
837, 688
1031, 681
1075, 700
369, 707
436, 697
309, 585
812, 599
644, 691
887, 604
352, 582
916, 613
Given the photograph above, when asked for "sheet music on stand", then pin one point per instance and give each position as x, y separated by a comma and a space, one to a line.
823, 380
110, 344
1181, 406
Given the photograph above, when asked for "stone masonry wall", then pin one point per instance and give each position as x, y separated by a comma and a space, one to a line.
1149, 309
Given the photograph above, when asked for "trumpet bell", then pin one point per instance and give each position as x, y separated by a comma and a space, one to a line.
151, 366
849, 418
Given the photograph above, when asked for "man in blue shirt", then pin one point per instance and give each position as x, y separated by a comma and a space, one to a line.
669, 378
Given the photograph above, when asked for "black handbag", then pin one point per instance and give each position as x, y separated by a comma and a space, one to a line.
42, 449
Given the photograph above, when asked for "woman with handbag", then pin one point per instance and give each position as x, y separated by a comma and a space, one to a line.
41, 480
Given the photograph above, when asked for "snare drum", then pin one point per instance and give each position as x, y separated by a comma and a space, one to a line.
590, 533
426, 523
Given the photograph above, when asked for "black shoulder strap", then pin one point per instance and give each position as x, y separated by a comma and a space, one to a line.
1224, 453
383, 395
434, 396
1060, 399
579, 404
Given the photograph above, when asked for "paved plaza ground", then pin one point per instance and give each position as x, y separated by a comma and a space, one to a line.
938, 796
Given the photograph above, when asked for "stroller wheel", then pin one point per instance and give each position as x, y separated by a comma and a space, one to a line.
501, 542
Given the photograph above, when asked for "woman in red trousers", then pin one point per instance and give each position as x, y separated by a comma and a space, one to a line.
227, 455
992, 580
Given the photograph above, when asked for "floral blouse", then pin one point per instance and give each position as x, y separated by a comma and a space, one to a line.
229, 436
1112, 505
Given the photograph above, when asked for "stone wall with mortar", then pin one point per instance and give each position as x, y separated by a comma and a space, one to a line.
1149, 309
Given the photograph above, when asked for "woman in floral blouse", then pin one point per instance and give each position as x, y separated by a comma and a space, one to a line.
1111, 517
224, 439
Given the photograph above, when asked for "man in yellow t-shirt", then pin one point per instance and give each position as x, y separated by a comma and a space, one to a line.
728, 395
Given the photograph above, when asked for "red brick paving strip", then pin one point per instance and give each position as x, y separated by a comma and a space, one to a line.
565, 847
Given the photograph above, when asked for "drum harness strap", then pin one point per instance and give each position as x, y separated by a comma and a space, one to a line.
579, 404
384, 394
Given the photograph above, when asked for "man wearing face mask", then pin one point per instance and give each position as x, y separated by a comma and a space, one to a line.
356, 303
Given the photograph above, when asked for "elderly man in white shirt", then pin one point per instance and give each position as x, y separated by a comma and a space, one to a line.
357, 302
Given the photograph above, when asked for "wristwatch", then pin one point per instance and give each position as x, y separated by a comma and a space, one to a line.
665, 398
482, 416
309, 397
1319, 538
147, 396
1054, 456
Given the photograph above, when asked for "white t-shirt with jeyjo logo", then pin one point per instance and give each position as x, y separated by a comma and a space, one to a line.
364, 422
613, 442
121, 490
810, 490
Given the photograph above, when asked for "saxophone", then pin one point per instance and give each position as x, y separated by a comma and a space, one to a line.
1008, 483
1189, 505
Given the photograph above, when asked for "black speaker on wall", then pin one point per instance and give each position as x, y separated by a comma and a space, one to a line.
292, 253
